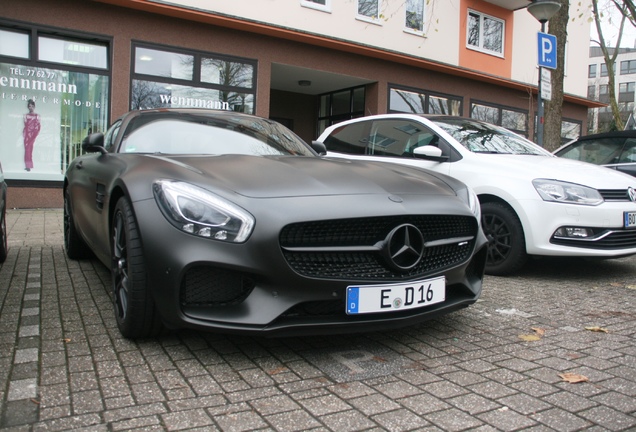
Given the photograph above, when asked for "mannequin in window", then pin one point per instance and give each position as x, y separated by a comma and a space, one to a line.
30, 133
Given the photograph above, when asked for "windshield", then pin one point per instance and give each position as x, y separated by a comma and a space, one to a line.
213, 134
479, 137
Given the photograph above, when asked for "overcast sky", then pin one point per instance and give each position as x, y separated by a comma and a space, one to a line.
611, 23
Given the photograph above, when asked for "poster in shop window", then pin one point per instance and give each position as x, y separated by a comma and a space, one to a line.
44, 115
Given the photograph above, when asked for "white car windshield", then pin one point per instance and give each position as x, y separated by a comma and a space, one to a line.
479, 137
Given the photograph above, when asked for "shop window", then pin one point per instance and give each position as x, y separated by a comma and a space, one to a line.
227, 73
72, 52
14, 44
51, 100
485, 33
414, 20
339, 106
165, 78
164, 64
512, 119
423, 102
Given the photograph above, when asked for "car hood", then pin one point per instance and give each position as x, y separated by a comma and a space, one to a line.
295, 176
568, 170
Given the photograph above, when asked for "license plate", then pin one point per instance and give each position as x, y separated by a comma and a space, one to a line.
392, 297
630, 219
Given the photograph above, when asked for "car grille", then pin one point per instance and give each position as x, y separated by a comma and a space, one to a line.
623, 239
614, 194
311, 248
210, 286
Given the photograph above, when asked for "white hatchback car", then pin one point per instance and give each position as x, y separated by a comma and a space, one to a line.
533, 203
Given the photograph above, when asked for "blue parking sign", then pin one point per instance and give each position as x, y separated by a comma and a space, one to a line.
547, 50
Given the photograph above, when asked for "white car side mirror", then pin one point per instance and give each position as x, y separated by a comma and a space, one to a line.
428, 151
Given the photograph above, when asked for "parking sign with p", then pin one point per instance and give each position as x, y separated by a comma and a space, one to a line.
547, 50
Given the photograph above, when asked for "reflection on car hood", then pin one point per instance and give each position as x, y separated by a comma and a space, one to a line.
276, 176
557, 168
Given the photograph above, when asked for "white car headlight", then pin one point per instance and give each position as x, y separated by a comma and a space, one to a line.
200, 212
558, 191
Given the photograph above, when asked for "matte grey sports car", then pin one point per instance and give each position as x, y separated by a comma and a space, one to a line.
225, 221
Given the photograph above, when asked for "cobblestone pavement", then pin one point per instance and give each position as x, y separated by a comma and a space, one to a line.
499, 365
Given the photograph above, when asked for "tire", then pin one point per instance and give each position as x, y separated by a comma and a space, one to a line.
4, 248
135, 311
74, 245
506, 241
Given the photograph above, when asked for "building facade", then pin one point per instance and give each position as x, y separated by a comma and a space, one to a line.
601, 119
70, 67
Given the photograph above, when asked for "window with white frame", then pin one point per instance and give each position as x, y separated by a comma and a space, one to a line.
414, 19
485, 33
323, 5
369, 9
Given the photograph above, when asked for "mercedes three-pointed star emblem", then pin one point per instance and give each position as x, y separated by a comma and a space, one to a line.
404, 247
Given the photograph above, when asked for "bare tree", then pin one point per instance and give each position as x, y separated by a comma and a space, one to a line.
609, 55
557, 26
627, 8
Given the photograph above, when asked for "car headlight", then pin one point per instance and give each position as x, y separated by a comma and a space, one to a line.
200, 212
558, 191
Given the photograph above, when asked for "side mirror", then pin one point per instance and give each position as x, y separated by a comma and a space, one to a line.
94, 143
319, 147
429, 152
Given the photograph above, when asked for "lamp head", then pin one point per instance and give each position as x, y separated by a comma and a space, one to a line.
543, 10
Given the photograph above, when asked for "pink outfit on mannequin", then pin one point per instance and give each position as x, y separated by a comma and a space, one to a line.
30, 133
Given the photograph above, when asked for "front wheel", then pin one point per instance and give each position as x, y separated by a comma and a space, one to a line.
135, 311
506, 242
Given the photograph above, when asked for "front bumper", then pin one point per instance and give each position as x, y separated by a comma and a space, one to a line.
261, 294
542, 220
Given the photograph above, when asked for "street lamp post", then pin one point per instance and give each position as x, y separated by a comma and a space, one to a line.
542, 10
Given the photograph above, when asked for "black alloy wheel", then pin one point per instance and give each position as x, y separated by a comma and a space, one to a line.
506, 243
135, 312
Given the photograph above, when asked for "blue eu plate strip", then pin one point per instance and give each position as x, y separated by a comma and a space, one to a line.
353, 298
